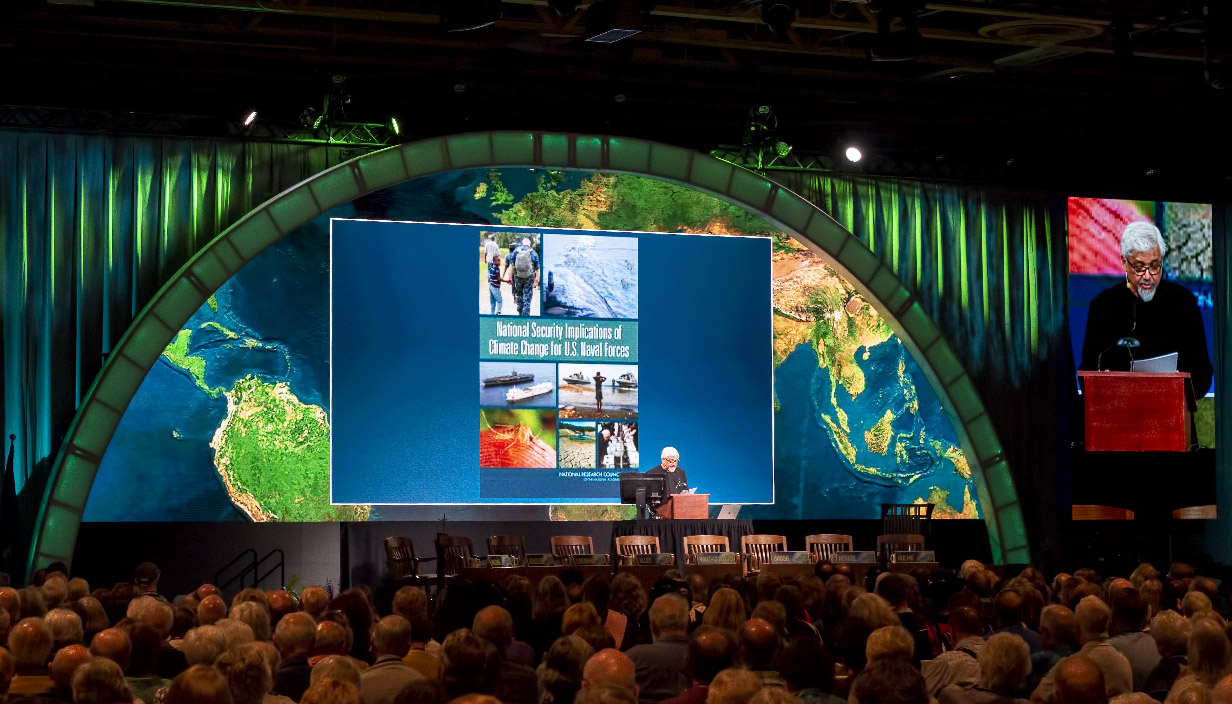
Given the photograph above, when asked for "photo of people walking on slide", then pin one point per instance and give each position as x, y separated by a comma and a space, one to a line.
598, 391
510, 271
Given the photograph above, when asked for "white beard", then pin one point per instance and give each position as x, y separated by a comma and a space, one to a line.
1146, 294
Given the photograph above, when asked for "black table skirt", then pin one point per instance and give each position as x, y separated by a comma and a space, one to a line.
672, 532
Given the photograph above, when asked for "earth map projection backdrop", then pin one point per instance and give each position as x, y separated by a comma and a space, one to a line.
232, 422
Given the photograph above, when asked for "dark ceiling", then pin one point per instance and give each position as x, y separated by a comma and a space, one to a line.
1089, 94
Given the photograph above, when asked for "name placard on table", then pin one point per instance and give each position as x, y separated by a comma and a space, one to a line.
589, 560
905, 556
502, 561
852, 557
716, 558
540, 559
654, 558
791, 557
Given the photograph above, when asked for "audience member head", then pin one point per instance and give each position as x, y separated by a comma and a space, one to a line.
873, 610
268, 651
889, 681
1079, 681
1210, 656
628, 595
338, 667
889, 642
113, 644
391, 636
30, 642
1005, 662
295, 635
313, 600
560, 675
1129, 611
146, 577
408, 602
597, 637
66, 628
577, 616
236, 631
894, 589
773, 695
551, 599
331, 691
469, 664
332, 638
1170, 631
1222, 692
726, 610
1007, 608
965, 622
773, 613
421, 692
203, 644
605, 694
1195, 603
55, 591
199, 684
610, 667
1057, 627
1152, 592
65, 663
806, 664
256, 615
1092, 617
10, 601
669, 616
183, 620
248, 675
250, 595
153, 612
733, 686
211, 610
100, 681
358, 609
281, 603
759, 643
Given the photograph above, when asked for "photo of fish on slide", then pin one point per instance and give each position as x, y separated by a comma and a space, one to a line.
589, 276
517, 385
510, 271
599, 391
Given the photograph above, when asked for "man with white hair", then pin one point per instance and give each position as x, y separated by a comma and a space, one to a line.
1161, 315
523, 263
669, 467
1092, 618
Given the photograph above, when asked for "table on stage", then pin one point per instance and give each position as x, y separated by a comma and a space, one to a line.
498, 575
671, 533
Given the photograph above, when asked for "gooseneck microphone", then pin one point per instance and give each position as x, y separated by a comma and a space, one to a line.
1129, 343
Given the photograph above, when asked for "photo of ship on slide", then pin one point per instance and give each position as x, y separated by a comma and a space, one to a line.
598, 391
517, 385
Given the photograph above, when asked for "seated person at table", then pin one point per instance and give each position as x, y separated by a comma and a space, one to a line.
669, 467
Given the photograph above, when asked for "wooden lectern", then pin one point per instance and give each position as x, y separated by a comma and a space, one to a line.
1136, 411
685, 506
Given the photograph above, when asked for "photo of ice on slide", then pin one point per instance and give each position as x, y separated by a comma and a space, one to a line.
577, 444
517, 385
510, 269
509, 438
616, 445
590, 276
598, 391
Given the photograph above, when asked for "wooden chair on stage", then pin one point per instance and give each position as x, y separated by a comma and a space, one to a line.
889, 544
513, 545
755, 549
823, 546
564, 547
628, 546
455, 550
694, 544
403, 564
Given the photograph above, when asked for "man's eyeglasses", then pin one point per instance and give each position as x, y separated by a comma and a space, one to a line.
1141, 270
669, 460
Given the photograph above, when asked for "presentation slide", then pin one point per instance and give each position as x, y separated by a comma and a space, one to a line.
589, 352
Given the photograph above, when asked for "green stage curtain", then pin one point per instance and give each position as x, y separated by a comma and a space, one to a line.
989, 265
90, 227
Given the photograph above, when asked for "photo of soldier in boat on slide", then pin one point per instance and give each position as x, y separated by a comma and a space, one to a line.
517, 385
589, 276
577, 444
616, 446
509, 438
599, 391
510, 271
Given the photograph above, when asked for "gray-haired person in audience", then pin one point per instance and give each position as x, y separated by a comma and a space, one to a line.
661, 664
1004, 664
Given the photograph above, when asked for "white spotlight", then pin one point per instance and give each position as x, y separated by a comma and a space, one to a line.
252, 116
853, 154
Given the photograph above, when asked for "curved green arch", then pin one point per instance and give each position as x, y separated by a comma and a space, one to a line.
138, 350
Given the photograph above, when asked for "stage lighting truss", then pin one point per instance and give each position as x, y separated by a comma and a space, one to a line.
358, 134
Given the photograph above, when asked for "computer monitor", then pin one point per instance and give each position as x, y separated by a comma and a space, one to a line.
643, 490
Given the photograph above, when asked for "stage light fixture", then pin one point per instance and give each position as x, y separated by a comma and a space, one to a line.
467, 15
778, 16
853, 154
393, 125
610, 21
250, 118
782, 148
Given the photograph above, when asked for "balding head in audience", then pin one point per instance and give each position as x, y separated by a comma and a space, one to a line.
338, 667
669, 616
211, 610
10, 600
295, 635
759, 643
1092, 617
30, 642
711, 650
610, 667
65, 663
495, 625
1079, 681
113, 644
391, 636
332, 639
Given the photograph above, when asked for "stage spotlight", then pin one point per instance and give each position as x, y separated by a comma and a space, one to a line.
609, 21
778, 16
250, 118
394, 126
853, 154
465, 15
782, 148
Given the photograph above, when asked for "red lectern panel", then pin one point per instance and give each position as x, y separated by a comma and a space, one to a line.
686, 506
1136, 411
